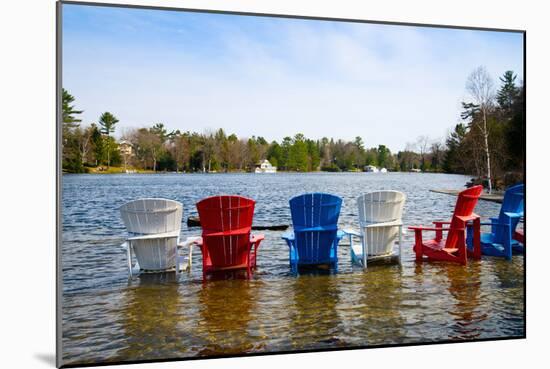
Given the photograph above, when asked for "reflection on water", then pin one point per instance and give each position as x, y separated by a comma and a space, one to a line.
313, 315
226, 310
465, 287
108, 318
150, 317
380, 297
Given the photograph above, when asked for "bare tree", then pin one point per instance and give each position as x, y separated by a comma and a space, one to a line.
84, 139
148, 146
181, 151
481, 89
208, 150
437, 150
422, 144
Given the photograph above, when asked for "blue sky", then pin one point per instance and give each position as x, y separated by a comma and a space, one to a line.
275, 77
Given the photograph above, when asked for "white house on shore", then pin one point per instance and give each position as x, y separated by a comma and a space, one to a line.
371, 169
265, 167
125, 148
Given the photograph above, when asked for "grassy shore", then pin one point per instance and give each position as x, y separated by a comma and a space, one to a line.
117, 170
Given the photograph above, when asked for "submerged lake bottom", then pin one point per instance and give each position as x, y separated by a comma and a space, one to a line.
108, 317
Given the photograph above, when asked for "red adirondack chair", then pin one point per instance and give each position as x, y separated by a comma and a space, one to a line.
226, 240
520, 236
453, 248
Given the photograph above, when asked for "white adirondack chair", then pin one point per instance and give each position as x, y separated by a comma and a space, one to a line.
380, 224
154, 227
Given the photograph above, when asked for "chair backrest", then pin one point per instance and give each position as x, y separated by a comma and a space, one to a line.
151, 216
465, 205
513, 202
315, 223
226, 223
380, 207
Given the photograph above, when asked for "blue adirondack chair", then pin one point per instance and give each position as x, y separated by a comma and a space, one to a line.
316, 235
500, 241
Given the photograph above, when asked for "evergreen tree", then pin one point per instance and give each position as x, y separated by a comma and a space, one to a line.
99, 147
515, 135
284, 161
71, 154
508, 93
383, 156
313, 154
253, 153
68, 111
274, 153
452, 162
298, 154
159, 130
108, 121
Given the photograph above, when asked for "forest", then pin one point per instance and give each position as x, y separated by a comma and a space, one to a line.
488, 143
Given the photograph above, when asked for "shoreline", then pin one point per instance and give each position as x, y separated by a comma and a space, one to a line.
109, 172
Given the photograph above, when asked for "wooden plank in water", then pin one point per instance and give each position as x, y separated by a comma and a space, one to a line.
196, 222
494, 197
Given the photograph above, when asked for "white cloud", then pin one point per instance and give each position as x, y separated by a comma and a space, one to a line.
387, 84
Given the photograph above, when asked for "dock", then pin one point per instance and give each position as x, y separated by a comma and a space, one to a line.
494, 197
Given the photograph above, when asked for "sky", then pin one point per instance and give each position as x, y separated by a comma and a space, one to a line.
275, 77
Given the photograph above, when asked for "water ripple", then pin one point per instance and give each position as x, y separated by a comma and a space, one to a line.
107, 317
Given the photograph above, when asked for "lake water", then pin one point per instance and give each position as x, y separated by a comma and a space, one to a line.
107, 317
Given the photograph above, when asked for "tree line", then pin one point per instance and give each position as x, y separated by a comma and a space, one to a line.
487, 143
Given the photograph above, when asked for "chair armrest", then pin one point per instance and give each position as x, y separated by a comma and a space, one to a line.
255, 238
514, 215
496, 224
317, 229
395, 223
155, 236
469, 225
421, 228
191, 241
288, 236
351, 232
468, 218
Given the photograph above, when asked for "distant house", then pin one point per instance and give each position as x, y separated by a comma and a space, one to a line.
265, 167
125, 148
371, 169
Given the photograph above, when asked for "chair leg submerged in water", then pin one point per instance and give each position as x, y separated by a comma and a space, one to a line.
294, 259
360, 254
181, 264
